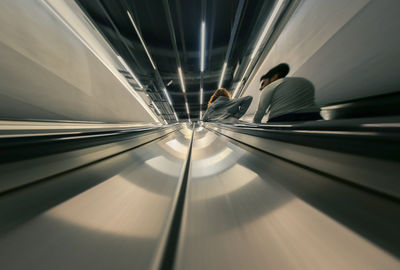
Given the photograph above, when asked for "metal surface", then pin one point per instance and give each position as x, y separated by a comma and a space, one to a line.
55, 65
247, 210
358, 157
43, 153
196, 200
110, 215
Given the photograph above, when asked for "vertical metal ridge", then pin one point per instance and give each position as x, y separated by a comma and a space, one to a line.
164, 258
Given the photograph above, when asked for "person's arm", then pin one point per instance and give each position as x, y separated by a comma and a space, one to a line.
206, 115
243, 104
265, 101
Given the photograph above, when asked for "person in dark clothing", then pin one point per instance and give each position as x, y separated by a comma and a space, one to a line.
222, 108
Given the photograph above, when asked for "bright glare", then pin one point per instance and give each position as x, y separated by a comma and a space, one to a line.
155, 107
141, 40
267, 27
168, 97
203, 40
222, 75
181, 79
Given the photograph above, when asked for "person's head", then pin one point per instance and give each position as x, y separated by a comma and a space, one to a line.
280, 71
221, 92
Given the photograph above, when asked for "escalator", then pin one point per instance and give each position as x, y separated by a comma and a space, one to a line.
198, 196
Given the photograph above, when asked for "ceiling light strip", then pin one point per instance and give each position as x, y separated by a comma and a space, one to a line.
141, 40
176, 116
181, 80
187, 108
203, 40
222, 75
201, 96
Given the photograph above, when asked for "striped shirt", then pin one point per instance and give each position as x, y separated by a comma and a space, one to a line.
284, 96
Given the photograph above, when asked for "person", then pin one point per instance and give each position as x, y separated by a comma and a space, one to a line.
286, 98
222, 108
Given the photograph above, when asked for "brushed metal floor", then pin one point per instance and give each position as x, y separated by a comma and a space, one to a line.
242, 209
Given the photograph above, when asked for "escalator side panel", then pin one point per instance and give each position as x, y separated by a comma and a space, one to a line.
244, 211
118, 223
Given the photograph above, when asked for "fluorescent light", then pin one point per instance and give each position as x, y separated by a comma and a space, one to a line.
155, 107
168, 97
203, 40
141, 39
165, 121
181, 79
260, 40
201, 114
130, 71
169, 83
176, 116
187, 107
222, 75
267, 27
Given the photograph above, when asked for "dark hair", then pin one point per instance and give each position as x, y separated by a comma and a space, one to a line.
281, 70
222, 92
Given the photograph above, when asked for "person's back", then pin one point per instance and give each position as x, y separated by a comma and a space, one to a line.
286, 98
222, 108
291, 95
217, 110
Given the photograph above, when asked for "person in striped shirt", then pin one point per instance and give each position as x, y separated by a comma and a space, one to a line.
285, 99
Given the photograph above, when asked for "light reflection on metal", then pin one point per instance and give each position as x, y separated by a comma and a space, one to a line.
141, 39
112, 68
93, 215
130, 71
267, 28
155, 107
167, 96
222, 75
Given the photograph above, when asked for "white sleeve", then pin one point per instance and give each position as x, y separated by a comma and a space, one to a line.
265, 101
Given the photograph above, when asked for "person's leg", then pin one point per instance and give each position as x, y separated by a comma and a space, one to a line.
243, 105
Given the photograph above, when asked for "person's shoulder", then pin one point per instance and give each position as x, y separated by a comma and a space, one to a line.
219, 101
296, 79
274, 84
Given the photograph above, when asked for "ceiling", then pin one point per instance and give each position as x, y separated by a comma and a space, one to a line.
171, 31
